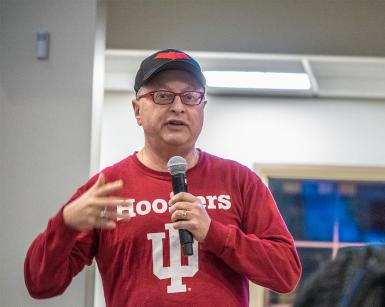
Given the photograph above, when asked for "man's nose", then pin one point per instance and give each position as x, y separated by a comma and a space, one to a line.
177, 105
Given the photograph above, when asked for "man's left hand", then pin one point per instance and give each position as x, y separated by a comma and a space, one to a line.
188, 213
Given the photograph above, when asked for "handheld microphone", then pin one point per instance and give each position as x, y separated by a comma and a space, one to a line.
177, 167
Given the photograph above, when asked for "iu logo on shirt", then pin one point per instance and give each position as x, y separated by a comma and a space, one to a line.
176, 271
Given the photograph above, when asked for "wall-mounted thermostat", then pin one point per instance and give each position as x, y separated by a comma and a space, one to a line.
42, 45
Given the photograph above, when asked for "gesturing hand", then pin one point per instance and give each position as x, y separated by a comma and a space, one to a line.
95, 209
187, 213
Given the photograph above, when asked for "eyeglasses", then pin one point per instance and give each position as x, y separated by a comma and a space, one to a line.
190, 98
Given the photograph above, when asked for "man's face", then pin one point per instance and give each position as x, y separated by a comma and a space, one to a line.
175, 124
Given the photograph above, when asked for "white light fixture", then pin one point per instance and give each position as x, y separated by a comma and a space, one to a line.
257, 80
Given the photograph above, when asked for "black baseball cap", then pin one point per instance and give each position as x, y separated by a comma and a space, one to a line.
165, 60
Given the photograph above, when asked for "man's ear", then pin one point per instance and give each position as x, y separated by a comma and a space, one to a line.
136, 108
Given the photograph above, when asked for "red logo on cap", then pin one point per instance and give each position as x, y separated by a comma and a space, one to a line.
172, 55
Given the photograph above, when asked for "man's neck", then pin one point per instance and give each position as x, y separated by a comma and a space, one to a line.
158, 161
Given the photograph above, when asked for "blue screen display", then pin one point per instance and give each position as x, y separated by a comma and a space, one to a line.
327, 210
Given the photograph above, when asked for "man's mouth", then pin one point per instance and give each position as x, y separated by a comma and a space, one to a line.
175, 122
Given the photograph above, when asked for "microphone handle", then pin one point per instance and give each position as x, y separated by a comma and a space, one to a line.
179, 184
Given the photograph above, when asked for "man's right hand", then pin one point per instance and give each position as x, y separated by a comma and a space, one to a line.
95, 209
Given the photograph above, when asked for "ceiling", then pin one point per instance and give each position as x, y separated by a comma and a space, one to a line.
319, 27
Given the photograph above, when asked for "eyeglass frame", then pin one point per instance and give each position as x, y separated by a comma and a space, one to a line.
175, 94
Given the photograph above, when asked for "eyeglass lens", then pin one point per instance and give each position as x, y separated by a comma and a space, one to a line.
190, 98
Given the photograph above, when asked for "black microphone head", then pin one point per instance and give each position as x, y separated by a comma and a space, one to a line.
177, 165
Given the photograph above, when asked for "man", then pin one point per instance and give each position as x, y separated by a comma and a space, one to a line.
127, 219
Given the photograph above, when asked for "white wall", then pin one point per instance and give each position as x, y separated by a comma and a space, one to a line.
267, 130
2, 219
46, 129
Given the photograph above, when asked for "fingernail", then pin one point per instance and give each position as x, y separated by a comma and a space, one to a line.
111, 225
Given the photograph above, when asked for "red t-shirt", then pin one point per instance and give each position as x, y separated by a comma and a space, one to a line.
140, 260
